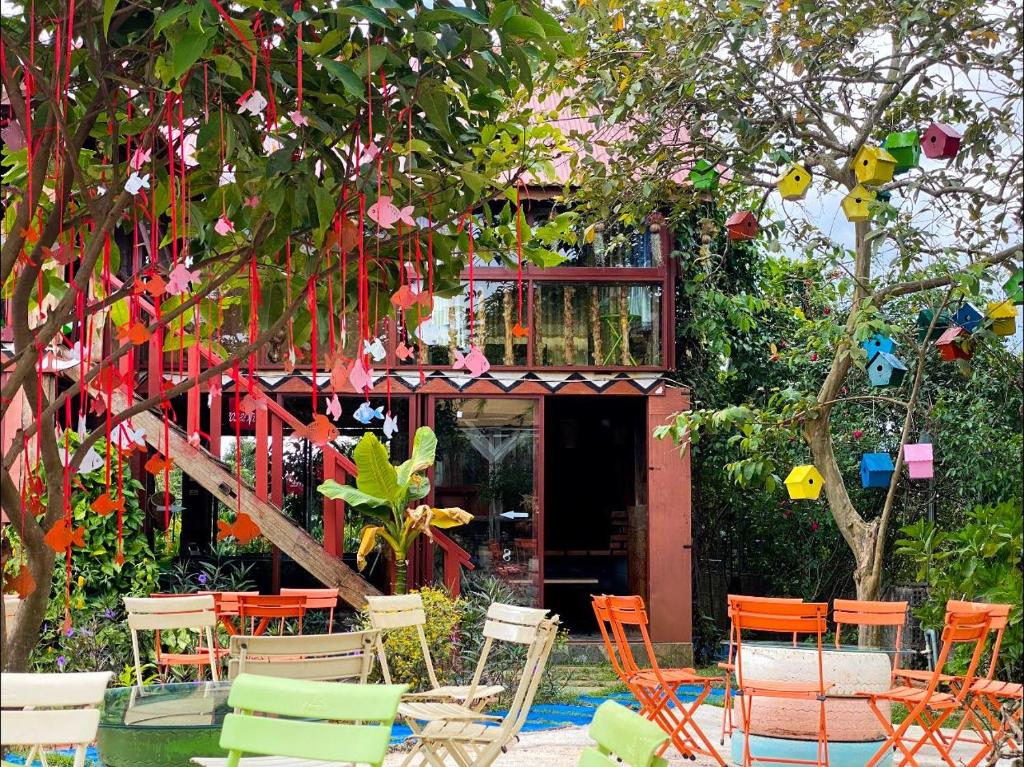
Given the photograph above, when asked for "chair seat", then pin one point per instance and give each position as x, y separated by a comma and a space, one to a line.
998, 689
726, 666
922, 675
456, 692
431, 711
647, 677
912, 696
462, 730
189, 659
262, 761
771, 687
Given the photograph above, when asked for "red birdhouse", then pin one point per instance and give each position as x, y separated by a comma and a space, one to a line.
742, 225
954, 344
940, 141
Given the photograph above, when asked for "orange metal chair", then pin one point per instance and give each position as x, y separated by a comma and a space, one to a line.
654, 688
779, 617
927, 707
317, 599
259, 610
858, 612
729, 665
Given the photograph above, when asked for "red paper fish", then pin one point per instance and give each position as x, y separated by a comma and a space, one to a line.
98, 404
135, 332
107, 378
104, 504
22, 584
339, 375
157, 463
348, 238
60, 536
243, 529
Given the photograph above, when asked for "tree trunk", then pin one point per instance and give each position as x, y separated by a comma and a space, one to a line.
401, 572
40, 560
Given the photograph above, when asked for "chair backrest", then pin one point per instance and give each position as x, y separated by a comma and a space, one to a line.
323, 657
506, 623
302, 719
859, 612
271, 606
171, 612
226, 602
961, 627
623, 737
732, 627
782, 617
602, 612
12, 603
400, 611
999, 617
317, 599
51, 709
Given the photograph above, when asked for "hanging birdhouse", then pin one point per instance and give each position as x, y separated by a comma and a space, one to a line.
703, 176
1014, 287
954, 344
905, 146
873, 165
940, 141
968, 318
1004, 317
857, 204
793, 185
920, 460
878, 343
886, 370
876, 470
924, 321
804, 483
742, 225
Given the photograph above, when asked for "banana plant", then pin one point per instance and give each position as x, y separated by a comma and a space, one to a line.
387, 494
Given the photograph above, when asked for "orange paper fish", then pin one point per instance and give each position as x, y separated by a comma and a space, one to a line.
104, 504
157, 464
22, 584
253, 401
135, 332
520, 331
243, 529
60, 536
321, 431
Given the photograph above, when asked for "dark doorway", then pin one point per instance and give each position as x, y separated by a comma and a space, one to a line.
594, 464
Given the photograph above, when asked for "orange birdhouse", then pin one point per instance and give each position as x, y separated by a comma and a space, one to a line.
794, 184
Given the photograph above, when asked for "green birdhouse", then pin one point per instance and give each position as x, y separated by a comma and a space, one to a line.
794, 184
924, 321
703, 176
1014, 287
873, 165
857, 204
905, 147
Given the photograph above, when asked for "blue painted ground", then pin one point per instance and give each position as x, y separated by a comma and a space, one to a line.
542, 717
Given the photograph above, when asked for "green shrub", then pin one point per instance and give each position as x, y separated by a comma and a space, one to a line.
979, 562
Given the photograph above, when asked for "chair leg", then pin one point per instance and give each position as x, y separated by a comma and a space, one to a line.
727, 711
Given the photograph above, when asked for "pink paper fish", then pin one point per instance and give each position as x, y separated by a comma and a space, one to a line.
474, 363
298, 119
180, 280
386, 214
223, 226
360, 377
334, 407
402, 351
139, 158
251, 202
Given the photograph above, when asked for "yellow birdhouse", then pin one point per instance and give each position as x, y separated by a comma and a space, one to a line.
874, 165
793, 185
805, 482
857, 204
1004, 317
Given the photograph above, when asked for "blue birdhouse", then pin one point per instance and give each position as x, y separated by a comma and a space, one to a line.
878, 343
886, 370
968, 318
876, 470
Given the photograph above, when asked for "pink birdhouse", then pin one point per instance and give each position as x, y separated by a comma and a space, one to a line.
920, 460
742, 225
940, 141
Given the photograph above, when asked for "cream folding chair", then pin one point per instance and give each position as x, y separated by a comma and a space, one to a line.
471, 738
320, 657
162, 613
406, 612
43, 710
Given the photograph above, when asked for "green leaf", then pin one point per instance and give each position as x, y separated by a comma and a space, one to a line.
434, 101
377, 477
119, 313
357, 499
187, 51
424, 450
375, 54
168, 17
349, 79
524, 27
109, 6
441, 15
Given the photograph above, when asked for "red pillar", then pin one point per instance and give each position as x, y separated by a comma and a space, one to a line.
669, 555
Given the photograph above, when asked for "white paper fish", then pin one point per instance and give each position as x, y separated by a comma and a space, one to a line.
254, 104
375, 349
390, 425
136, 183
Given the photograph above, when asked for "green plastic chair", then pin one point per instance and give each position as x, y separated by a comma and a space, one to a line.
323, 721
623, 737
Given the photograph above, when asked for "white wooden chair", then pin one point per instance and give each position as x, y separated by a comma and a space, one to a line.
12, 603
42, 710
320, 657
185, 612
471, 738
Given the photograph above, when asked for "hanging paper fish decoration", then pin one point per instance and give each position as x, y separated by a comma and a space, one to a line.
375, 349
22, 584
126, 438
92, 461
365, 414
253, 401
136, 332
104, 504
520, 330
136, 183
60, 536
139, 158
180, 279
213, 391
390, 425
360, 376
223, 226
402, 351
320, 430
334, 407
386, 214
157, 464
243, 529
254, 103
474, 363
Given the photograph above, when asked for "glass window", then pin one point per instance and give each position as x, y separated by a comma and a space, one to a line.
599, 325
486, 450
635, 248
452, 325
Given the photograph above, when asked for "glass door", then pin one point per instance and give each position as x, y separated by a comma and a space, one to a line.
488, 463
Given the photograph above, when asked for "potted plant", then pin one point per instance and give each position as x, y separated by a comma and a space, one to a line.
386, 493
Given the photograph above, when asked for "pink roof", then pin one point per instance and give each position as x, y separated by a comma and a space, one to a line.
920, 452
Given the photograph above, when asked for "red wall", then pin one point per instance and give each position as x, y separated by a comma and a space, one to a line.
668, 497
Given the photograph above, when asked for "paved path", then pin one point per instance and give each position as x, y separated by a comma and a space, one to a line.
562, 747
